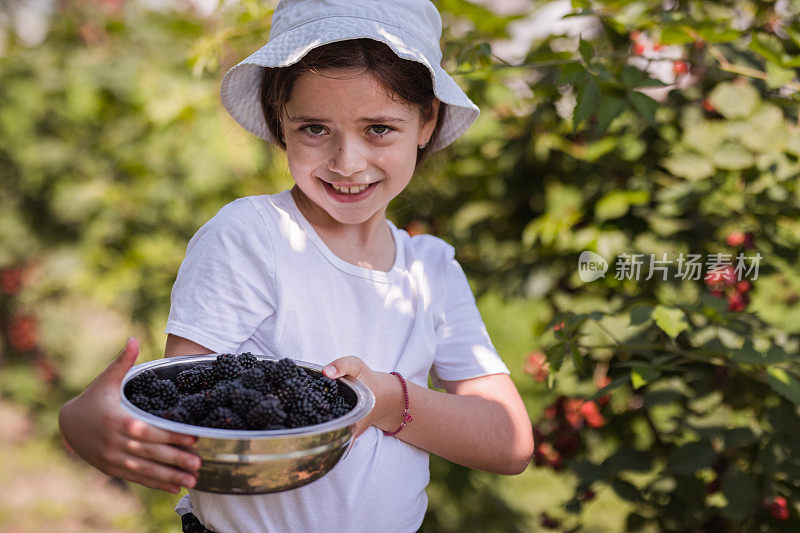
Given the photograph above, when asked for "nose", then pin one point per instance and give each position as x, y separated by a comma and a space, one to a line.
348, 157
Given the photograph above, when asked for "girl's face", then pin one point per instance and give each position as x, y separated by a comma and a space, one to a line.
350, 147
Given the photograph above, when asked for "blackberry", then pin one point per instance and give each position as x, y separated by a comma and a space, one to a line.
226, 367
144, 402
165, 391
285, 369
220, 395
266, 414
301, 412
222, 418
142, 383
189, 381
327, 385
177, 414
247, 360
195, 406
292, 388
241, 400
255, 378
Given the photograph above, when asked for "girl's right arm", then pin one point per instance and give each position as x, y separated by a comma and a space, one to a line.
98, 429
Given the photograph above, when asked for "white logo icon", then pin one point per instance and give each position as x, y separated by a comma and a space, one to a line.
591, 266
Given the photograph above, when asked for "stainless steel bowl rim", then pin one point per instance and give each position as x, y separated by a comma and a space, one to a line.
365, 403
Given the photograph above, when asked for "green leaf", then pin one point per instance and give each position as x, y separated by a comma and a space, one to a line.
691, 457
587, 102
616, 203
642, 375
641, 314
675, 35
645, 105
610, 108
735, 100
689, 165
777, 76
732, 156
627, 491
587, 471
741, 493
586, 51
555, 356
628, 459
749, 355
784, 384
767, 46
739, 437
671, 320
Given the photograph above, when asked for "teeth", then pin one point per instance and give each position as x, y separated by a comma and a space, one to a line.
350, 190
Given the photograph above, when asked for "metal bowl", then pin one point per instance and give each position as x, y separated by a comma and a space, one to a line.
257, 462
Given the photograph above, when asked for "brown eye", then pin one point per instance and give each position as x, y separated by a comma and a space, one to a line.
312, 130
380, 129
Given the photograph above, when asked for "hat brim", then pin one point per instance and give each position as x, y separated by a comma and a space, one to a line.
241, 84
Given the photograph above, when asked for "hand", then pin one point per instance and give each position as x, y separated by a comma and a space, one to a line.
98, 429
389, 399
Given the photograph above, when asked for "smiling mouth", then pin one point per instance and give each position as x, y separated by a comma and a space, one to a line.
353, 189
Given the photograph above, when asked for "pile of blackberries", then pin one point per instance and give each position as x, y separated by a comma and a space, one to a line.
241, 392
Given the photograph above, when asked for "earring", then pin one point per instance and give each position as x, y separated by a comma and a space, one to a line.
421, 146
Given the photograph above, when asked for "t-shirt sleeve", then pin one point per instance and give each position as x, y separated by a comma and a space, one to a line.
225, 285
464, 349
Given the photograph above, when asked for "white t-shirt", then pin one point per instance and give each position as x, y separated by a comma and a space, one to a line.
257, 278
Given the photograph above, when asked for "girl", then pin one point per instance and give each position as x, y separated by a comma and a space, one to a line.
353, 92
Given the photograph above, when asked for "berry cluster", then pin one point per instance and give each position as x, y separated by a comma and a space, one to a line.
557, 435
241, 392
724, 282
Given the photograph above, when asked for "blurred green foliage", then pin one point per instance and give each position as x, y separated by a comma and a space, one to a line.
665, 128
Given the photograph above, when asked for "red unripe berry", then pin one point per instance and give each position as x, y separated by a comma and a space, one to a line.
724, 275
680, 67
10, 280
22, 333
537, 366
743, 286
708, 105
592, 415
558, 326
735, 238
548, 522
736, 302
779, 509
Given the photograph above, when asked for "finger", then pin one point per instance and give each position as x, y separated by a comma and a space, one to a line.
117, 369
348, 365
136, 477
163, 453
155, 472
140, 430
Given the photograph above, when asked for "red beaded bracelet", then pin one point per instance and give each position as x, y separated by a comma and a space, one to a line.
406, 417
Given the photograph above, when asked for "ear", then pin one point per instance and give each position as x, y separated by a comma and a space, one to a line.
428, 122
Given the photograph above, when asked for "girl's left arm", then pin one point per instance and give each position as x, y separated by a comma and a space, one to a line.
479, 423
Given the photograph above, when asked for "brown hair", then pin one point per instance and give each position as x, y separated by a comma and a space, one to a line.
410, 80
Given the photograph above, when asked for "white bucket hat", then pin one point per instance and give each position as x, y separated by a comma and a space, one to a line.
411, 28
